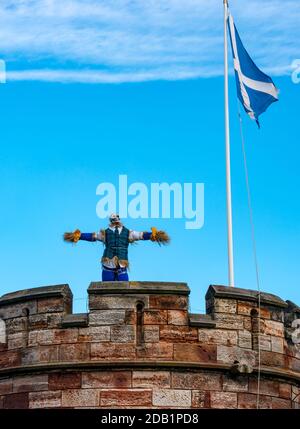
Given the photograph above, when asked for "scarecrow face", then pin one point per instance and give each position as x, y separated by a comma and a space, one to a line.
115, 219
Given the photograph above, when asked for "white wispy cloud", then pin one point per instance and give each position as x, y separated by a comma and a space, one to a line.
114, 41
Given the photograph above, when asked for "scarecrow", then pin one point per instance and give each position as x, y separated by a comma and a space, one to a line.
116, 239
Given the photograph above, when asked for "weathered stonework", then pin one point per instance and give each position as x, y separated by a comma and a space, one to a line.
140, 347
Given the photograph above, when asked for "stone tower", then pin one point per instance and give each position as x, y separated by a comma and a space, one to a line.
138, 346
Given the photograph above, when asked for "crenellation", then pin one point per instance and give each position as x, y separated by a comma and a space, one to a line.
14, 310
139, 346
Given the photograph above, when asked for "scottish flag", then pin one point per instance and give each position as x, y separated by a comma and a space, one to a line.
256, 90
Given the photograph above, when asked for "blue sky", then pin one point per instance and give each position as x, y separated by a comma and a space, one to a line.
98, 89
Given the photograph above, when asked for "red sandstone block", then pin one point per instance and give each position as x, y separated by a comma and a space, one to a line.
265, 313
159, 350
64, 380
106, 317
45, 399
235, 384
129, 397
155, 317
195, 352
151, 334
285, 390
223, 400
151, 379
16, 401
222, 305
178, 333
5, 386
274, 328
33, 338
38, 321
249, 400
272, 359
177, 317
172, 398
230, 354
80, 398
39, 354
265, 342
94, 334
62, 336
122, 334
277, 344
50, 305
195, 380
266, 387
74, 352
217, 336
17, 340
229, 321
245, 339
9, 358
18, 310
54, 320
112, 351
41, 337
16, 325
30, 383
3, 347
279, 403
52, 336
168, 302
245, 308
47, 354
200, 399
100, 302
102, 379
130, 317
248, 323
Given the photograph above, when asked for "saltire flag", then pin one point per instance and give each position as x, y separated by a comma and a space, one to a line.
256, 91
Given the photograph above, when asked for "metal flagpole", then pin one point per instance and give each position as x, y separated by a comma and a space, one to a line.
227, 143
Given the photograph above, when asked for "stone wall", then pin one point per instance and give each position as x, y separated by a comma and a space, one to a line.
139, 346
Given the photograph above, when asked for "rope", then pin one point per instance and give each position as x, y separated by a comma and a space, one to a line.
253, 248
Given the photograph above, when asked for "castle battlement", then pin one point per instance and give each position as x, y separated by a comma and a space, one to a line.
139, 346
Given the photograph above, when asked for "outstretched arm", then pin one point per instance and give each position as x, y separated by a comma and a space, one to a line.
74, 237
160, 237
